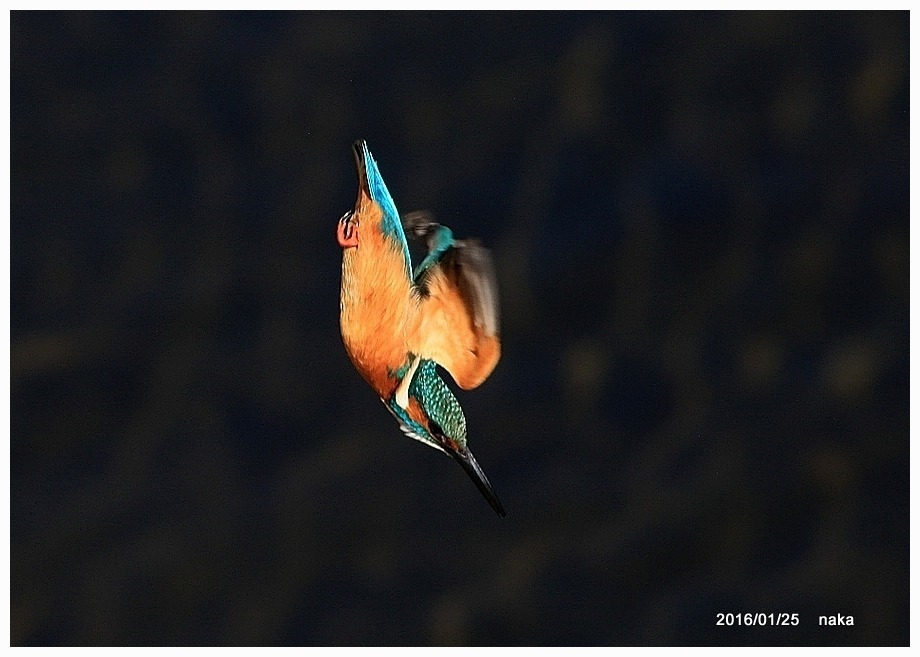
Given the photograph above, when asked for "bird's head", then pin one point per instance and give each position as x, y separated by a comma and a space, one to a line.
374, 208
417, 422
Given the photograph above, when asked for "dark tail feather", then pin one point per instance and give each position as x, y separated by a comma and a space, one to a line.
466, 460
359, 148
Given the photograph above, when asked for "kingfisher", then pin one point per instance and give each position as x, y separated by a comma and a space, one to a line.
399, 324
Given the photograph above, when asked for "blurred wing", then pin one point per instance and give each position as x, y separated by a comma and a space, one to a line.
457, 321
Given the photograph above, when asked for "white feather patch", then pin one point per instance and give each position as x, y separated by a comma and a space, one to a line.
402, 392
412, 434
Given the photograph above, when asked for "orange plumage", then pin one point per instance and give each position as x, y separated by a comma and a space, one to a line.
375, 302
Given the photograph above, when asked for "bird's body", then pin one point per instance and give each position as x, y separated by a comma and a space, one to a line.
398, 325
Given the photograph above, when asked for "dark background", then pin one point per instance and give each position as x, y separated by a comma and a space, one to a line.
700, 226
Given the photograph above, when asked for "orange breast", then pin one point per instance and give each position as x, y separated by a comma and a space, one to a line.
375, 304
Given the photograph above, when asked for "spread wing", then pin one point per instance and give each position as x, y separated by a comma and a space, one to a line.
457, 319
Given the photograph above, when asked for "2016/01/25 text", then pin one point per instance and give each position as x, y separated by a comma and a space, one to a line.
760, 618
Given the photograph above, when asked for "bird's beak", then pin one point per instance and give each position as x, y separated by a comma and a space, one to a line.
465, 458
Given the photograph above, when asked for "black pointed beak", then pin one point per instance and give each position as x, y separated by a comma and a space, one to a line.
468, 462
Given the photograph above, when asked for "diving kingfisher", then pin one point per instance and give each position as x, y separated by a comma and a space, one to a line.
399, 324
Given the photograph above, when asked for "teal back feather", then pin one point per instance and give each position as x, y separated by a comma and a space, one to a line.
391, 224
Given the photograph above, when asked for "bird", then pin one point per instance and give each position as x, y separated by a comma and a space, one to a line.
399, 324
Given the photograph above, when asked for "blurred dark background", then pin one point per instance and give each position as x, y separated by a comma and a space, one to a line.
700, 226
